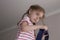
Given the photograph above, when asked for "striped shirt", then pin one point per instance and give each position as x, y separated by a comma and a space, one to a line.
25, 35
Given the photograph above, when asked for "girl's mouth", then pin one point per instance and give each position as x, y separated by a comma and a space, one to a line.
35, 20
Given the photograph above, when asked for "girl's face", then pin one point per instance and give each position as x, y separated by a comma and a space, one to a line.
35, 15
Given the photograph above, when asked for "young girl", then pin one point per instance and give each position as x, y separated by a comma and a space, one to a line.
27, 24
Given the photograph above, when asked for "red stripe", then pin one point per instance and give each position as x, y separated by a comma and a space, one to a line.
21, 39
27, 34
26, 37
30, 32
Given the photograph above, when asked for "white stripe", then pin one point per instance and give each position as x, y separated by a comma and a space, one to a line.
27, 33
24, 38
22, 35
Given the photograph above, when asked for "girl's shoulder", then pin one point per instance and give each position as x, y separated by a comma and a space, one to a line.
26, 19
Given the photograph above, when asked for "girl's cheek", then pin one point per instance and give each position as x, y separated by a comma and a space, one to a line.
33, 16
37, 20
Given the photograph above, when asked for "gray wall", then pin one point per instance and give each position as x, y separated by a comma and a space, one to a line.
53, 23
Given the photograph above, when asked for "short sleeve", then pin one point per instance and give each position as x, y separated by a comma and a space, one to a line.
23, 21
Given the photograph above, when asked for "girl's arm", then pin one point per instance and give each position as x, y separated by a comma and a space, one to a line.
26, 27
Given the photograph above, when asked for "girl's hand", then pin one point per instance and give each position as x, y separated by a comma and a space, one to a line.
43, 37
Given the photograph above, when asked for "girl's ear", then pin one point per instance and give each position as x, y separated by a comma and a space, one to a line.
30, 11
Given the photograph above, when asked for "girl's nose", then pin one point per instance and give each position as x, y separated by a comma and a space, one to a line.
37, 18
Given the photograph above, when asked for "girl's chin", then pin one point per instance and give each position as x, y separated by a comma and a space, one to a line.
34, 21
